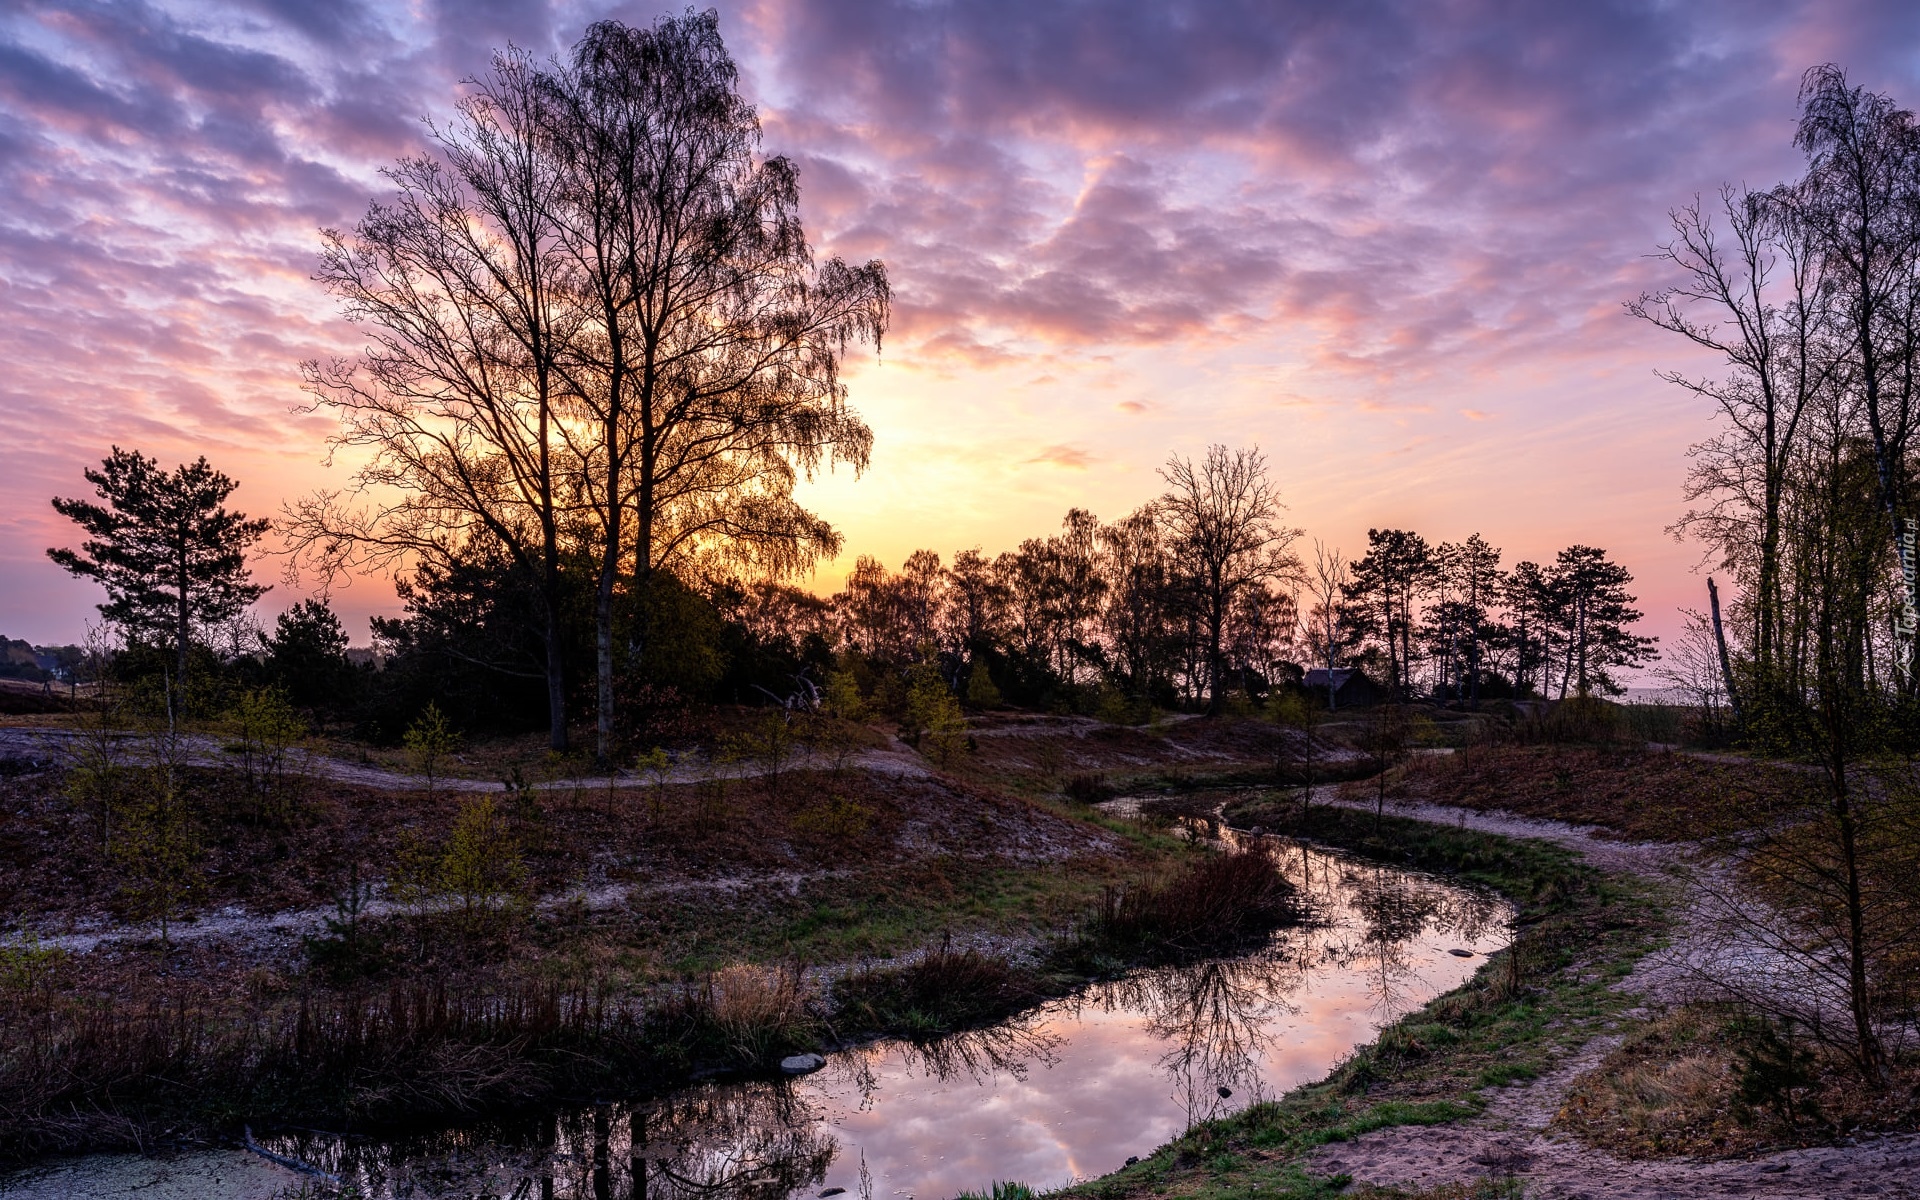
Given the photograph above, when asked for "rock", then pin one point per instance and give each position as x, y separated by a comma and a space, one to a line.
1224, 1091
1458, 953
801, 1064
1132, 1159
1773, 1168
832, 1192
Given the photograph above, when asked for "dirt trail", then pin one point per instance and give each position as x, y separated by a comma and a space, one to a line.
57, 745
283, 930
1511, 1138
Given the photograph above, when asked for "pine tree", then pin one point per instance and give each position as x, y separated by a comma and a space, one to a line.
163, 546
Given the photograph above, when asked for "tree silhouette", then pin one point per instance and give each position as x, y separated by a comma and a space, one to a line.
164, 546
1222, 519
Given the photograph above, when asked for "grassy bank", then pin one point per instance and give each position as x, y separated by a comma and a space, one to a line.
1581, 931
570, 1004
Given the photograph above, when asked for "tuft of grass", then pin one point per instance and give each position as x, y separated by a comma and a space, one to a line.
942, 991
759, 1012
1000, 1191
1209, 904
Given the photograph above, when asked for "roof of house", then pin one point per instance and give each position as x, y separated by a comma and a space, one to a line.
1318, 676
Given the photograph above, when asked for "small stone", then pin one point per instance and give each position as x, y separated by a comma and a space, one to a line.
801, 1064
832, 1192
1773, 1168
1224, 1092
1459, 953
1132, 1159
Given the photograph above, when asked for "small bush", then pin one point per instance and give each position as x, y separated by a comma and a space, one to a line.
1089, 789
835, 819
942, 991
429, 740
267, 733
481, 869
29, 965
1210, 905
1775, 1071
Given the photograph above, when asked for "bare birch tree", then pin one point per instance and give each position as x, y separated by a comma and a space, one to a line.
711, 378
468, 305
1223, 524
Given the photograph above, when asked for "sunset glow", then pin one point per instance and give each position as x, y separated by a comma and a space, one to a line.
1387, 243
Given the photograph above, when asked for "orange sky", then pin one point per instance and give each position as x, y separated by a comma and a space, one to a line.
1388, 244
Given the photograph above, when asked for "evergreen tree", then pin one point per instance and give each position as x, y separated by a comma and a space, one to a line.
1383, 599
164, 546
1594, 620
307, 655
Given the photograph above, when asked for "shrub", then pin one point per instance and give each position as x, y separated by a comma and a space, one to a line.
430, 739
1089, 789
834, 819
933, 720
938, 993
27, 965
266, 733
758, 1012
482, 868
1211, 904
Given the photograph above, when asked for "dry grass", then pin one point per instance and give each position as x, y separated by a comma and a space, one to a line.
87, 1073
1675, 1088
759, 1010
1210, 904
1641, 794
942, 991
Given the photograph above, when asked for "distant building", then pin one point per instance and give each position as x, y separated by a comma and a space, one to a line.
1351, 687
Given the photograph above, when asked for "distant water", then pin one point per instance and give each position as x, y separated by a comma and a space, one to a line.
1659, 695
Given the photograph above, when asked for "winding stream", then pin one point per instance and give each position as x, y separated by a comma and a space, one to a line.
1067, 1091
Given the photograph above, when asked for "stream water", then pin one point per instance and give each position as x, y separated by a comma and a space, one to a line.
1067, 1091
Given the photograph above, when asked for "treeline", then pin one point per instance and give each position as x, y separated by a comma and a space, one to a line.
1194, 601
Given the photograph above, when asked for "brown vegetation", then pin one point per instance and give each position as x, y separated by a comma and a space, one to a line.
1207, 904
1706, 1080
1640, 794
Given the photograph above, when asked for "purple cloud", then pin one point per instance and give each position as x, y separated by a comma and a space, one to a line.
1404, 195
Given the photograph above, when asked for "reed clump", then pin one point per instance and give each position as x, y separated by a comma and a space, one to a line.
942, 991
757, 1013
1210, 904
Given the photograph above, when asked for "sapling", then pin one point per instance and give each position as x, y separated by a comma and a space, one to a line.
429, 740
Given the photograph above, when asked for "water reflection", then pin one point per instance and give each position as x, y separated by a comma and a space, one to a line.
1066, 1091
751, 1142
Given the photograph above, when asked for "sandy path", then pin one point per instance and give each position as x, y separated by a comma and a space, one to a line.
1511, 1139
56, 746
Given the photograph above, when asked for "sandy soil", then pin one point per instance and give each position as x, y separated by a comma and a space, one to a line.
1511, 1138
56, 746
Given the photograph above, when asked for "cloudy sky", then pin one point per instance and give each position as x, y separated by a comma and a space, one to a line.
1386, 242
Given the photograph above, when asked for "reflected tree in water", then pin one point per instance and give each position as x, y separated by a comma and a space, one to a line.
741, 1142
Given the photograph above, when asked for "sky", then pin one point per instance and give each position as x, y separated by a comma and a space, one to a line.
1386, 242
